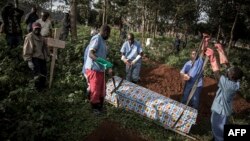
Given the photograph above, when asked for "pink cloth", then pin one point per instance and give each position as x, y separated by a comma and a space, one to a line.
214, 65
97, 85
222, 55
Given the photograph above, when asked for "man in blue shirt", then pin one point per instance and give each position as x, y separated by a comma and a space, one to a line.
222, 104
131, 55
190, 73
95, 72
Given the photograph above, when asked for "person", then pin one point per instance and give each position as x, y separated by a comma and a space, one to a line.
35, 52
46, 30
97, 50
30, 18
12, 24
131, 53
190, 73
228, 86
65, 28
185, 40
177, 43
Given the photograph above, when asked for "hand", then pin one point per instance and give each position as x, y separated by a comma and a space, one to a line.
205, 35
31, 65
218, 47
209, 52
110, 72
127, 62
186, 77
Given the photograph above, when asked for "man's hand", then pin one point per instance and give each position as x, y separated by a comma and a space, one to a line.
110, 72
209, 52
125, 60
31, 65
186, 77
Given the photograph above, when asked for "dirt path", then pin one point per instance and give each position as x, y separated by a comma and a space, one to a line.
166, 81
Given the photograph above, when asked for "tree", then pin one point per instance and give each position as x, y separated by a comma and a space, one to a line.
73, 4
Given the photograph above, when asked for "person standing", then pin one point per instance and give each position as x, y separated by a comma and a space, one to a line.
228, 85
65, 28
35, 52
177, 43
190, 73
131, 52
46, 30
12, 24
97, 51
30, 18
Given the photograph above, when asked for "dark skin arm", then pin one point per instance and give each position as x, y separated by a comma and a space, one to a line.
94, 57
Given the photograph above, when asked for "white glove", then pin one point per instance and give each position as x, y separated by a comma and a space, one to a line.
124, 59
136, 59
31, 65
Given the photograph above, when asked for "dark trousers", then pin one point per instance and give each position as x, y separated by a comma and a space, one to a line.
40, 73
13, 40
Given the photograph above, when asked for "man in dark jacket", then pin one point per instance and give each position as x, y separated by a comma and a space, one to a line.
12, 24
30, 18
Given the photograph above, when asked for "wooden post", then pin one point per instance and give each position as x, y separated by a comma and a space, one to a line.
54, 43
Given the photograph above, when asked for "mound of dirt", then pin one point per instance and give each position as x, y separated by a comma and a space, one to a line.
167, 81
111, 131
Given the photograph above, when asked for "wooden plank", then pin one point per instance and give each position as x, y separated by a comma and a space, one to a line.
55, 43
57, 32
52, 66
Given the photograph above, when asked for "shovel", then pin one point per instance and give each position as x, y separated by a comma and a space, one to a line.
115, 89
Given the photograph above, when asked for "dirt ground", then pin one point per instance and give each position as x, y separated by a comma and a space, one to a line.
166, 81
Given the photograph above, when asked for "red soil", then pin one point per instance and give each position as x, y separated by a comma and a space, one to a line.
167, 81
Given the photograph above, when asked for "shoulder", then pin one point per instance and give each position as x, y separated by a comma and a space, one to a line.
188, 62
28, 36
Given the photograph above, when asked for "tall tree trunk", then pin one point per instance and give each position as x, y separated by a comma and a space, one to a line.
174, 25
143, 22
104, 15
218, 33
16, 3
73, 20
155, 22
232, 32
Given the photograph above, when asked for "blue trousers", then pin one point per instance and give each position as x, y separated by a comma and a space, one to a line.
133, 72
217, 123
194, 102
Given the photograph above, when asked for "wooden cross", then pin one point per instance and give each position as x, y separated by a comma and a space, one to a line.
55, 43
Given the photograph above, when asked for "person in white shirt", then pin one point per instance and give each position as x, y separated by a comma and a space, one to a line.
46, 30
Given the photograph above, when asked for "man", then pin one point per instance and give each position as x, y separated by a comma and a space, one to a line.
97, 50
131, 52
222, 104
65, 28
30, 18
177, 43
190, 73
12, 25
35, 52
46, 30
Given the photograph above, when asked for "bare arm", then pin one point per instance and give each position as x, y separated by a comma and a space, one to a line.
92, 54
